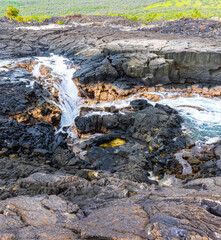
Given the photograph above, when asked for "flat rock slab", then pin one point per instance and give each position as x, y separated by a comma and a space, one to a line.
137, 218
189, 212
42, 217
121, 220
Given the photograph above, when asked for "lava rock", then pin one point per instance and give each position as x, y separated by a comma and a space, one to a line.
21, 138
153, 129
140, 104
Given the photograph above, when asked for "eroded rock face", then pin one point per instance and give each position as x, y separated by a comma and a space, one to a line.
26, 101
156, 65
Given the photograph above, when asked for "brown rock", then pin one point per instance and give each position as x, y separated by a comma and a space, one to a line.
119, 221
39, 217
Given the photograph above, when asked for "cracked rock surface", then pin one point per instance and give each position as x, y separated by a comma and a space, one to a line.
192, 212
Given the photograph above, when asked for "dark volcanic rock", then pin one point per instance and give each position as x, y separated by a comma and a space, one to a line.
140, 104
150, 142
111, 209
97, 123
21, 138
189, 27
97, 70
38, 143
217, 150
125, 59
126, 162
153, 124
25, 100
108, 194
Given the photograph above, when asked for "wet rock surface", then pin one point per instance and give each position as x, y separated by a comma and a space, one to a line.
151, 136
25, 100
48, 192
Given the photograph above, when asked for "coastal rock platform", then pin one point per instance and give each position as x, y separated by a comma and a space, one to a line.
113, 186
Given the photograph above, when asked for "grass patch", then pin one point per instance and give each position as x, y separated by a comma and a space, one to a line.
140, 10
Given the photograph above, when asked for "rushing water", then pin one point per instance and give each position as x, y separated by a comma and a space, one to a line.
202, 115
68, 93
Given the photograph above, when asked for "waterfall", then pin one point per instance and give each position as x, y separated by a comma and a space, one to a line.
68, 93
202, 116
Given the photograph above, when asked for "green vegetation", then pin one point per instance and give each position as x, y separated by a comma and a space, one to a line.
144, 10
12, 12
60, 22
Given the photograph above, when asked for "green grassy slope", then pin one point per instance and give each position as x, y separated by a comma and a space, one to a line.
170, 9
139, 9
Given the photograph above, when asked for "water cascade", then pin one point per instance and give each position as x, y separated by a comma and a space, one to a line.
202, 116
68, 93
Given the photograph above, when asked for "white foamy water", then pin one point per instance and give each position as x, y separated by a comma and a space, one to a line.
202, 117
4, 63
68, 93
45, 27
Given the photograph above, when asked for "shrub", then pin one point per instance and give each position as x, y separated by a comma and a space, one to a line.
19, 19
150, 17
12, 13
27, 19
179, 15
60, 22
135, 18
196, 14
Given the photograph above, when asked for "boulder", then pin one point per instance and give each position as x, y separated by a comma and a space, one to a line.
140, 104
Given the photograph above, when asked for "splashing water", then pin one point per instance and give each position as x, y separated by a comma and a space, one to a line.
68, 93
202, 117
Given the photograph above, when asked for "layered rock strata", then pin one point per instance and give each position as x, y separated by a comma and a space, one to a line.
110, 209
116, 63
